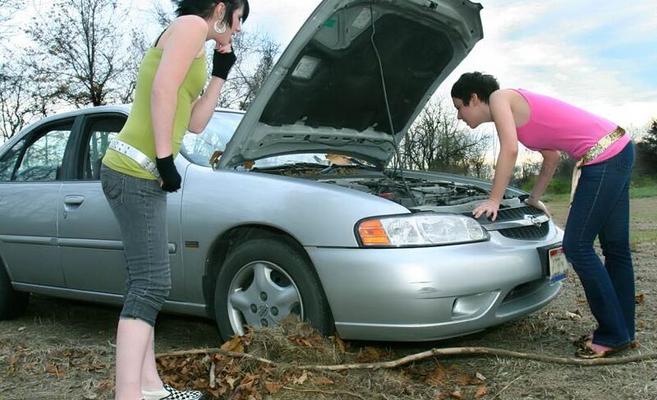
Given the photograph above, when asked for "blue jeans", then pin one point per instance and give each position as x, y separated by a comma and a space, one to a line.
601, 207
140, 206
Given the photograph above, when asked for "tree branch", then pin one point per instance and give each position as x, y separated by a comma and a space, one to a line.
435, 352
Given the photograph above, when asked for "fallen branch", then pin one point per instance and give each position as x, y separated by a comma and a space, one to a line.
450, 351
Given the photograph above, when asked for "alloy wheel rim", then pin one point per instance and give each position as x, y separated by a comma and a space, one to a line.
262, 294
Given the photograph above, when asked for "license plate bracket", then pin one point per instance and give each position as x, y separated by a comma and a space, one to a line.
553, 260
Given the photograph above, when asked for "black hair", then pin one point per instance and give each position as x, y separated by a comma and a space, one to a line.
204, 8
474, 82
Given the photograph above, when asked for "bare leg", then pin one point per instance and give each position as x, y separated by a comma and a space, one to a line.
150, 378
132, 338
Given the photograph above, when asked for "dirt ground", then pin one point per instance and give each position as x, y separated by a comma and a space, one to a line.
63, 349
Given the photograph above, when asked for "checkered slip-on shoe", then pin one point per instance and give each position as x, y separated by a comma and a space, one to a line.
170, 393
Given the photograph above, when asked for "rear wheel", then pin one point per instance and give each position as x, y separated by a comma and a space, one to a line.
262, 282
12, 302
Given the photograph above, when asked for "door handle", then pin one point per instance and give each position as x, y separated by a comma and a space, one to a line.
74, 200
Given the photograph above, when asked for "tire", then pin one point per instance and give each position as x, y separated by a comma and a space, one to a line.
12, 303
263, 281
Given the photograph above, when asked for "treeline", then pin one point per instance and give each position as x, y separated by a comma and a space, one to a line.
81, 53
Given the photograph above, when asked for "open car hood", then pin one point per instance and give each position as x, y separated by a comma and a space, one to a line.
328, 91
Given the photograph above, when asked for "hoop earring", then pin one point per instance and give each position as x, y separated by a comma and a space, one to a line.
220, 28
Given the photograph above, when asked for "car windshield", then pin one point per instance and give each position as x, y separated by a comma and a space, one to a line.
200, 148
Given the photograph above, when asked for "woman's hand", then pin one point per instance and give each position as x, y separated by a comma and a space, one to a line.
530, 201
170, 179
223, 60
488, 208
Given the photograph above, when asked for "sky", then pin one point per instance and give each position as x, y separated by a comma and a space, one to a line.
598, 55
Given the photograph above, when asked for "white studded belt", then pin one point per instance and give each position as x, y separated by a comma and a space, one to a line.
135, 155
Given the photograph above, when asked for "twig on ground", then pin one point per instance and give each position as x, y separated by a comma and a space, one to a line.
449, 351
326, 392
505, 388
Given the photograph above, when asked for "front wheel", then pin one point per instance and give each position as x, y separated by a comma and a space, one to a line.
262, 282
12, 302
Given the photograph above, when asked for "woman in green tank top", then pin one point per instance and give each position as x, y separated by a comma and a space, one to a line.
167, 104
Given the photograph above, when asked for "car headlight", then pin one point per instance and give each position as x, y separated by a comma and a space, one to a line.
419, 230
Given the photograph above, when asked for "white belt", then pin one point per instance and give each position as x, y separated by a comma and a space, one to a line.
135, 155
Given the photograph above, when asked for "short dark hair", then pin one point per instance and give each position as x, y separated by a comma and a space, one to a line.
204, 8
474, 82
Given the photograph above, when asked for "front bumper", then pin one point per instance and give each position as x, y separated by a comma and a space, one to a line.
429, 293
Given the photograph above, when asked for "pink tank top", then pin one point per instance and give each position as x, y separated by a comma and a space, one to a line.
555, 125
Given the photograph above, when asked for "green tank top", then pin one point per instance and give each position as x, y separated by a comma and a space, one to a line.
138, 129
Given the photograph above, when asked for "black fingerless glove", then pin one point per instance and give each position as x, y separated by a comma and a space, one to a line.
221, 64
168, 173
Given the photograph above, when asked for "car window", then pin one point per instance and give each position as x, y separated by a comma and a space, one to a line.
9, 161
199, 148
43, 159
99, 134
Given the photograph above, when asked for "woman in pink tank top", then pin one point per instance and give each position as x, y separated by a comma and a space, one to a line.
599, 208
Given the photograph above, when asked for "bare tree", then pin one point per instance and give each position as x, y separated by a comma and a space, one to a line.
13, 99
162, 15
646, 151
437, 142
80, 54
7, 10
246, 80
20, 101
256, 56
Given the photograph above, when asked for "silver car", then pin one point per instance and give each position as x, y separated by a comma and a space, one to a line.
289, 209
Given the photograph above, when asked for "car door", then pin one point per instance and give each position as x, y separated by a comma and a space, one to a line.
89, 236
30, 183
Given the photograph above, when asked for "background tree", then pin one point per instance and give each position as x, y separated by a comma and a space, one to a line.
437, 142
256, 55
646, 152
7, 12
16, 107
80, 53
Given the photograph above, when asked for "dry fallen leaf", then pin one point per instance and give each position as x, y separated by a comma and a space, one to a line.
438, 377
369, 354
463, 379
322, 380
574, 315
640, 298
273, 387
234, 344
481, 391
302, 379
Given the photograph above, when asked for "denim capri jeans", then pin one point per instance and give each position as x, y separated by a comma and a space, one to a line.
140, 208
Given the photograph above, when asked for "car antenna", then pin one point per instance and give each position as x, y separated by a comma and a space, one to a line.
396, 162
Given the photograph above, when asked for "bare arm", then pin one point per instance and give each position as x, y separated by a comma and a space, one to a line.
500, 109
187, 38
204, 107
550, 163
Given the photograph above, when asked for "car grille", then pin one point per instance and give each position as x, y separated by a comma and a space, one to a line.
531, 232
510, 214
526, 232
